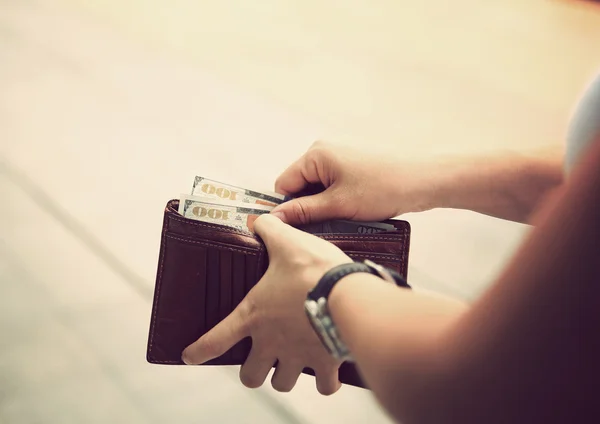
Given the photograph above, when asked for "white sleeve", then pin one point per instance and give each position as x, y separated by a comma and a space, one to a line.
584, 126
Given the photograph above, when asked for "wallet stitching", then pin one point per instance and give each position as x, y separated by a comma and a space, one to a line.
212, 227
250, 235
389, 257
250, 250
404, 234
360, 238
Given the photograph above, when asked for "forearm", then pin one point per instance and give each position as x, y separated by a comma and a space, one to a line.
508, 185
534, 334
527, 351
394, 335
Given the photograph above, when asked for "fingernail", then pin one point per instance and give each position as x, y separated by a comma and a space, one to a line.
186, 360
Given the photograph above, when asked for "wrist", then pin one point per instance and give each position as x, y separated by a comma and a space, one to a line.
422, 185
346, 289
452, 182
345, 302
507, 184
467, 182
318, 306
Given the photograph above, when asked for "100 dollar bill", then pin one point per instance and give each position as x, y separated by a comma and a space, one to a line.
231, 214
205, 187
346, 227
242, 216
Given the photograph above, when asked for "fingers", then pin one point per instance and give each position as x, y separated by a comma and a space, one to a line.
327, 381
286, 375
292, 180
256, 368
311, 168
304, 210
219, 339
316, 166
272, 230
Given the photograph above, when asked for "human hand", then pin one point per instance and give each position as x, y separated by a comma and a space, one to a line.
358, 186
272, 313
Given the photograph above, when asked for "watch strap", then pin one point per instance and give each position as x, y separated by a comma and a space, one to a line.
316, 305
331, 277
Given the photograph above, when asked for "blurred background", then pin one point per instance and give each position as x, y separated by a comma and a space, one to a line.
106, 107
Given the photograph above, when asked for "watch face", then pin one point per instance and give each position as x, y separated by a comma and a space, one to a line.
322, 325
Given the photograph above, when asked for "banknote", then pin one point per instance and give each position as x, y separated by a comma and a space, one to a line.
346, 227
237, 215
206, 187
224, 204
242, 216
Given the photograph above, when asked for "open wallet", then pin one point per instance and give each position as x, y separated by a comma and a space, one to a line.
206, 269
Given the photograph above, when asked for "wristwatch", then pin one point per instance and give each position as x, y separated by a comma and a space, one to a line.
317, 311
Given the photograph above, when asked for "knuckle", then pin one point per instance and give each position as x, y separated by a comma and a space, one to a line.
247, 314
322, 159
318, 151
209, 346
300, 210
278, 183
344, 205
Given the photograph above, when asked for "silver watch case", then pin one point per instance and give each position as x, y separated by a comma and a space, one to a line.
320, 319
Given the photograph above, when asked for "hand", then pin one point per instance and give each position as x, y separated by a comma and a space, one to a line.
357, 185
272, 313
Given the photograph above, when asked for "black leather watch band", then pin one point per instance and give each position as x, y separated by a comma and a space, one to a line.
317, 309
331, 277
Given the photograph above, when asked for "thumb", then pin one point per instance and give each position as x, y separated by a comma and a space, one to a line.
274, 232
307, 209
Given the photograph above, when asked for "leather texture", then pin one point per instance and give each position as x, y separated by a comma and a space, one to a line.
205, 270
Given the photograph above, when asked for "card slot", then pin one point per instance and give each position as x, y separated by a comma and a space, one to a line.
238, 292
250, 280
213, 292
225, 259
239, 273
250, 277
201, 288
180, 296
225, 284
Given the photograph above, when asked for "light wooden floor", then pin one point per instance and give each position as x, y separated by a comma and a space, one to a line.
105, 107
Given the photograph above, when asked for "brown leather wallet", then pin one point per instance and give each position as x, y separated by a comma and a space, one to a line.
205, 270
